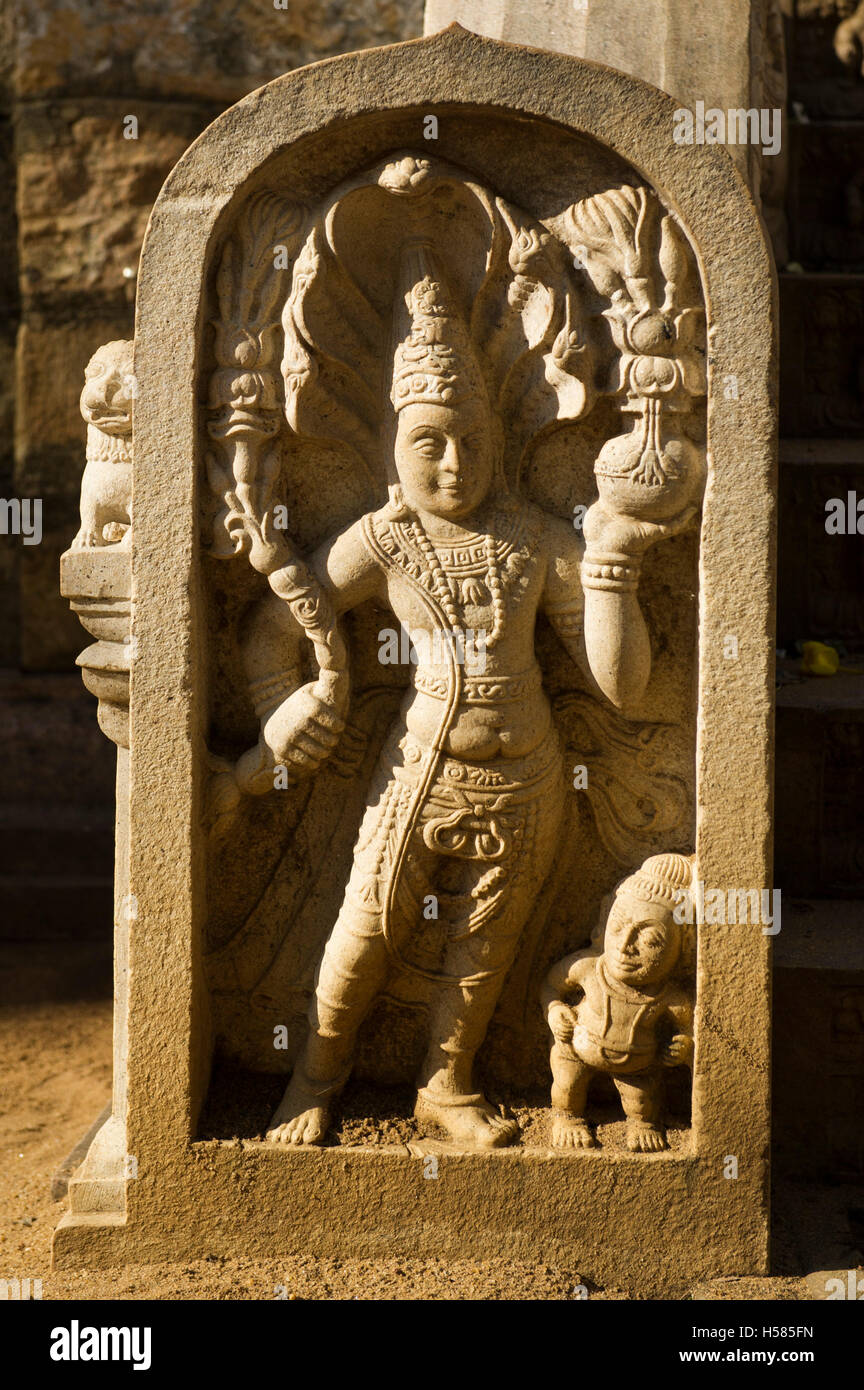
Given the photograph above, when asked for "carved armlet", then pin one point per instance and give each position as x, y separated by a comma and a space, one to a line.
567, 618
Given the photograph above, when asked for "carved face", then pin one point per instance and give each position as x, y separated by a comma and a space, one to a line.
106, 400
642, 942
444, 456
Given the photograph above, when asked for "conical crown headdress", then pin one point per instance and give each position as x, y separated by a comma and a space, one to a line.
433, 361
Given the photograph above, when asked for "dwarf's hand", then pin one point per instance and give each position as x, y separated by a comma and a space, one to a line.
678, 1052
562, 1021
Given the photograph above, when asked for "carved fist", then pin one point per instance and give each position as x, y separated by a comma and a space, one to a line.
303, 731
678, 1052
267, 548
614, 534
562, 1021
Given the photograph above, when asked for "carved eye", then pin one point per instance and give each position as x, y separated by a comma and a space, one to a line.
429, 445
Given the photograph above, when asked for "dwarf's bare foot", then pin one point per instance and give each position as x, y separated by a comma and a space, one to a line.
86, 540
645, 1138
470, 1120
300, 1119
568, 1132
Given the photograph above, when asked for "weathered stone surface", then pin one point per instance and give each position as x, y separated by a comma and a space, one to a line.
51, 358
728, 57
693, 49
183, 48
519, 315
70, 74
84, 195
85, 191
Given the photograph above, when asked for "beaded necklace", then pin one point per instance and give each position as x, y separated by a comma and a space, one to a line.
444, 589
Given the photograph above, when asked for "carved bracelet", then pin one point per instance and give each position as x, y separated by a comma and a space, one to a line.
611, 574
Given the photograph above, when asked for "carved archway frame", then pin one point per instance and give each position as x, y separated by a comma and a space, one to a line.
185, 1195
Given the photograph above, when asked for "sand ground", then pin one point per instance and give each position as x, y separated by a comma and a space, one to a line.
56, 1080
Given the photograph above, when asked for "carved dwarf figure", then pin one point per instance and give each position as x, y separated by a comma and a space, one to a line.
467, 799
622, 1011
106, 486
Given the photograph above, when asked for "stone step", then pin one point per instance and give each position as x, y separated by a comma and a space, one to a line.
826, 195
821, 934
819, 817
76, 1156
44, 908
818, 1040
51, 841
821, 355
820, 574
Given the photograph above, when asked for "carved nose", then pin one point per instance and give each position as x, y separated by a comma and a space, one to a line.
451, 461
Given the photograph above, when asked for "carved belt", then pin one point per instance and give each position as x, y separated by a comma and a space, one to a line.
482, 690
521, 779
616, 1055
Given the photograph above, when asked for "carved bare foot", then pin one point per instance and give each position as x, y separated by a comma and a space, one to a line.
568, 1132
86, 540
300, 1119
470, 1120
645, 1138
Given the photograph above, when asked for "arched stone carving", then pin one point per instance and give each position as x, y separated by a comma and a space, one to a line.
389, 381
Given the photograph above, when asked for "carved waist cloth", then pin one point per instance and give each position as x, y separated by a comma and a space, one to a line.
479, 813
597, 1051
469, 809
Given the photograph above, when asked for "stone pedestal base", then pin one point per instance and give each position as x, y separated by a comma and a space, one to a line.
652, 1224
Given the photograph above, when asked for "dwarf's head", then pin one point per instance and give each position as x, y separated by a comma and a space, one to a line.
642, 941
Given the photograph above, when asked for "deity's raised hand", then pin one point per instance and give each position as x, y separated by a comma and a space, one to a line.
614, 534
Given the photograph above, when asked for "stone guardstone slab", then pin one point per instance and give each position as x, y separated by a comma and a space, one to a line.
452, 535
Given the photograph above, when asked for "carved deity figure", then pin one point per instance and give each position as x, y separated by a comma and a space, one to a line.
106, 487
467, 800
623, 1011
435, 364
